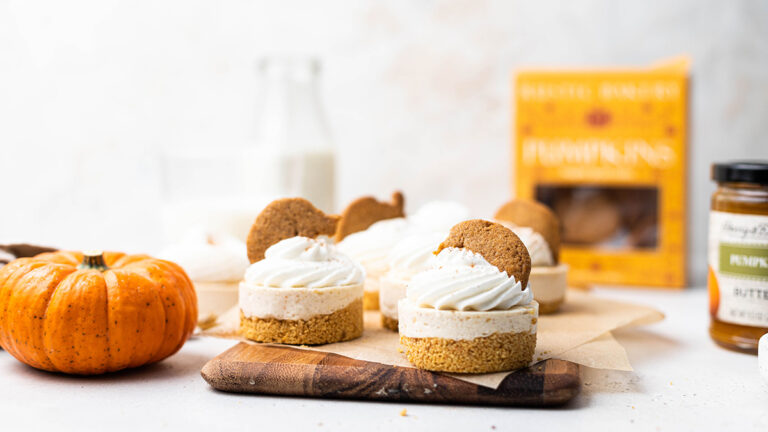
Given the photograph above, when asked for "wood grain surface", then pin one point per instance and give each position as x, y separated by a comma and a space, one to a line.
287, 371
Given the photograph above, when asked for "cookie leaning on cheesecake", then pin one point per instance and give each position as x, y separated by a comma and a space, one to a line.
473, 311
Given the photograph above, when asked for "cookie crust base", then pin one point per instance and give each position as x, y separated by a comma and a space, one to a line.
550, 307
214, 299
495, 353
371, 300
549, 285
341, 325
389, 323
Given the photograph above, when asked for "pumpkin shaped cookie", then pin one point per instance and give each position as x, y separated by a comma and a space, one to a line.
364, 212
285, 218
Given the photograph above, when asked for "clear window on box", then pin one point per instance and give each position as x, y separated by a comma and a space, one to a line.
605, 216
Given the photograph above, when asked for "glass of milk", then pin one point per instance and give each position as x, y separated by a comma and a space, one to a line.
204, 192
293, 155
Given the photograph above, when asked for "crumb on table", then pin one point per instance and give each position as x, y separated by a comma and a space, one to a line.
404, 412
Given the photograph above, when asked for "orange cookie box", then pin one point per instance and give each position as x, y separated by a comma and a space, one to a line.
606, 149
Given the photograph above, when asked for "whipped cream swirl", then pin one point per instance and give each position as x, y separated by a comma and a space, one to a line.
414, 254
464, 281
209, 257
371, 247
304, 263
538, 248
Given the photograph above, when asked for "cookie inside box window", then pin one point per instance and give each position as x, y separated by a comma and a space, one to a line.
604, 216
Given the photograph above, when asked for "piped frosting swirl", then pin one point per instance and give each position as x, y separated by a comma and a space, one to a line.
302, 262
538, 248
371, 247
209, 258
463, 280
414, 254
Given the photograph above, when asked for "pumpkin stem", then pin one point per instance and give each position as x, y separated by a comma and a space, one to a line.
93, 260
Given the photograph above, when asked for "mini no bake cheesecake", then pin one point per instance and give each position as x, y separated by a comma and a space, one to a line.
299, 288
215, 264
473, 311
367, 232
539, 229
408, 257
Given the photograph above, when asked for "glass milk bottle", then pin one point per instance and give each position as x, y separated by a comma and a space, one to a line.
294, 155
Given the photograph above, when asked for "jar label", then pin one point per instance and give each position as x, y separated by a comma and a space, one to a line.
738, 261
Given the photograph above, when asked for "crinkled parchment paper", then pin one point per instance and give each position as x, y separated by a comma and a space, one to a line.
580, 333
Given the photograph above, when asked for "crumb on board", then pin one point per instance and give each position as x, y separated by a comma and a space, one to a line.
404, 412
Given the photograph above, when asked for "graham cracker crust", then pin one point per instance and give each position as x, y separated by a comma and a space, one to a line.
371, 300
550, 307
495, 353
389, 323
342, 325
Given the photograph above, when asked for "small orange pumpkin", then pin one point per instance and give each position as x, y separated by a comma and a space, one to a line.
94, 313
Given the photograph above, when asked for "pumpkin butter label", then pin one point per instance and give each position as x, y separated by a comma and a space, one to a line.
738, 257
744, 260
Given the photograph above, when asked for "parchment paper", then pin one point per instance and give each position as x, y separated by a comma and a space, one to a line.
579, 333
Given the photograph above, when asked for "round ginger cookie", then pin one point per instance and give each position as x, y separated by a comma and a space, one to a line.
496, 243
286, 218
538, 217
593, 217
364, 212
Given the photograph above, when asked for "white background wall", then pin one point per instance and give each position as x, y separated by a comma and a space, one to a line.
417, 93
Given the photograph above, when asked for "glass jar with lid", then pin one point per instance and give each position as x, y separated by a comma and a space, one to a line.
738, 255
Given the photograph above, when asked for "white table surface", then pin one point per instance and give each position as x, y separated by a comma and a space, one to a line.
682, 382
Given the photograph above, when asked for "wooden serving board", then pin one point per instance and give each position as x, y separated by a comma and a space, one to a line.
286, 371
